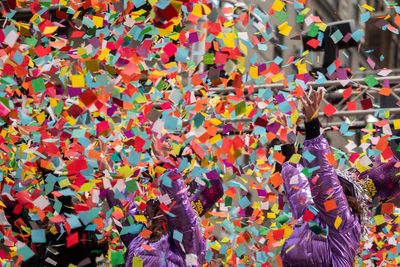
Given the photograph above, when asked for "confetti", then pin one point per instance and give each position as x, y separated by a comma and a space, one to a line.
85, 87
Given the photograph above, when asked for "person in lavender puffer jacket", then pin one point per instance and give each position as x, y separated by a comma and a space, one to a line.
327, 205
176, 238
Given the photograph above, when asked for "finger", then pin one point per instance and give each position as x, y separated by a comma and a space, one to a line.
303, 102
321, 91
307, 99
313, 97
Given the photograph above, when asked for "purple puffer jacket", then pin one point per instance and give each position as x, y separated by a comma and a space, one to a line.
304, 247
168, 251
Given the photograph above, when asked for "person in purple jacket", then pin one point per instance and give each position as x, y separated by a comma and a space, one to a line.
330, 206
176, 237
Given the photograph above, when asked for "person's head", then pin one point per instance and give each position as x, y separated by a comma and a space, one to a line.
348, 191
156, 219
356, 195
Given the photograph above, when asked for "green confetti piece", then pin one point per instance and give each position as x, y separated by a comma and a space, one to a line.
281, 16
307, 172
198, 120
38, 85
282, 219
240, 108
161, 85
131, 186
315, 228
313, 31
228, 200
59, 108
209, 59
371, 81
117, 258
300, 18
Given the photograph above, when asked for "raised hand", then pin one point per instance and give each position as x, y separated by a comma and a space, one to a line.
311, 104
161, 149
103, 163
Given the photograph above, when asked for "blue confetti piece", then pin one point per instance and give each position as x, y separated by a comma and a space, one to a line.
177, 235
38, 236
244, 202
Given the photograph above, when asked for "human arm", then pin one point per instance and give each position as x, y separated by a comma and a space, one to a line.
181, 217
326, 189
297, 188
127, 230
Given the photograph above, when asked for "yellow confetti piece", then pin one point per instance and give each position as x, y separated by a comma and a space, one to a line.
104, 54
36, 17
229, 23
290, 248
176, 148
49, 30
197, 10
396, 124
64, 183
141, 99
225, 240
322, 26
98, 21
249, 109
253, 72
338, 222
125, 171
301, 68
137, 262
78, 81
206, 9
243, 48
140, 218
287, 230
86, 187
379, 219
305, 11
71, 120
215, 121
174, 36
53, 102
275, 208
215, 245
249, 172
368, 7
41, 117
277, 77
295, 158
22, 149
285, 28
76, 15
278, 5
215, 139
228, 39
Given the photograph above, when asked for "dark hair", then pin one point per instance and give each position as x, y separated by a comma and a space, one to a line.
152, 210
351, 199
354, 205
